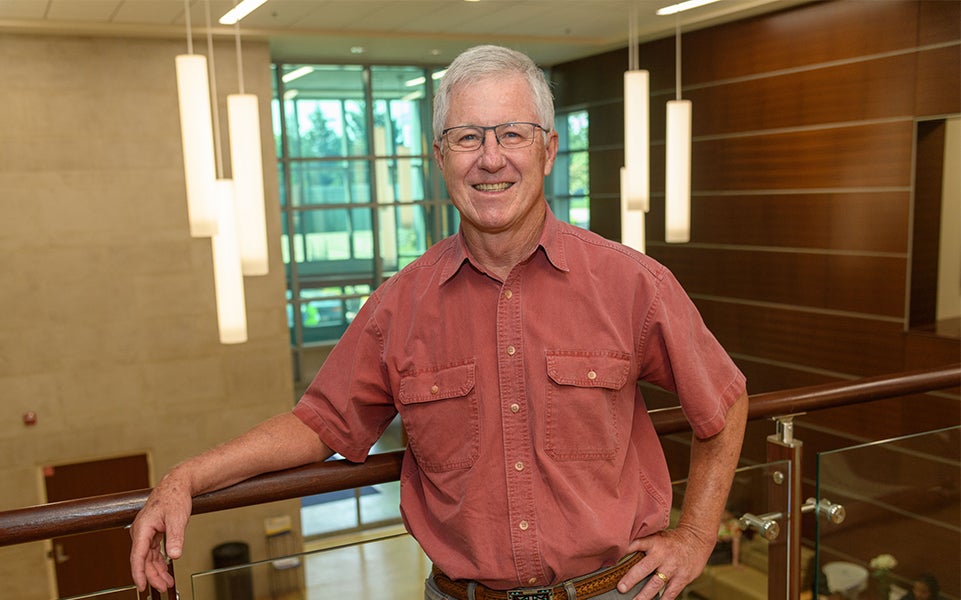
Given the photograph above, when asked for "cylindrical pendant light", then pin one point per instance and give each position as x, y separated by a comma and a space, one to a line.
228, 279
196, 134
636, 186
243, 122
635, 174
678, 178
677, 149
632, 221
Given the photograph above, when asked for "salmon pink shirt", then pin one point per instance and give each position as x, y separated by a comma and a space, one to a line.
531, 455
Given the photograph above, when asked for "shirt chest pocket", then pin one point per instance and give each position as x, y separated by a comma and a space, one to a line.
582, 391
438, 407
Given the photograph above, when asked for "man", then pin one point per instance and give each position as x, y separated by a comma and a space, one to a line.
511, 352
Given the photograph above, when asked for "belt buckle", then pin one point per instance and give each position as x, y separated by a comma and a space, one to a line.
539, 594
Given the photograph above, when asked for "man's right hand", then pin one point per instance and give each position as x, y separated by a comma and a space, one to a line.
281, 442
158, 532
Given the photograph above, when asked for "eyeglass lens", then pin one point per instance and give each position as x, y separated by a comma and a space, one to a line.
509, 135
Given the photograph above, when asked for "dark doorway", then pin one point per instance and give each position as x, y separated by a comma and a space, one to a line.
95, 561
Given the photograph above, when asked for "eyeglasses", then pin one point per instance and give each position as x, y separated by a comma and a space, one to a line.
467, 138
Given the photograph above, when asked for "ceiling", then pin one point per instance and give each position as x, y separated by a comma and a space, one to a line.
384, 31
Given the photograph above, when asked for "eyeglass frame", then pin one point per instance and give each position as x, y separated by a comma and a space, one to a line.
483, 138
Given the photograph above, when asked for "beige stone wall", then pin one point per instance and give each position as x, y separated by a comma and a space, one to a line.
107, 321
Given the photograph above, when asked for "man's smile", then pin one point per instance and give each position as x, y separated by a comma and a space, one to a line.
492, 187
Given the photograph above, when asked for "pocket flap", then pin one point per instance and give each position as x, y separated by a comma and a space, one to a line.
589, 369
437, 384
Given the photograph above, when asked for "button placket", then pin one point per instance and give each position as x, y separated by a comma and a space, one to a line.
517, 436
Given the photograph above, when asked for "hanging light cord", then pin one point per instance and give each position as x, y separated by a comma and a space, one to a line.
632, 43
190, 39
677, 57
240, 58
213, 92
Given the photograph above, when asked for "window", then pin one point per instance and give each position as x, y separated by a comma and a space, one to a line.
569, 187
356, 187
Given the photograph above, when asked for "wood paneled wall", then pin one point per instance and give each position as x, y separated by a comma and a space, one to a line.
803, 180
804, 212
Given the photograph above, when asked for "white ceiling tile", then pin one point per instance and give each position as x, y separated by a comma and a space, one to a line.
168, 12
96, 11
324, 16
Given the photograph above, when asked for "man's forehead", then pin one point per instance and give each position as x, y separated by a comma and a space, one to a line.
507, 97
502, 79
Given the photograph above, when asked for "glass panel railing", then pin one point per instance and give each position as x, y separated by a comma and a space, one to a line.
392, 566
121, 593
738, 568
902, 499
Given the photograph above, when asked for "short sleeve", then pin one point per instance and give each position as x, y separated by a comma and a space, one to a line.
680, 354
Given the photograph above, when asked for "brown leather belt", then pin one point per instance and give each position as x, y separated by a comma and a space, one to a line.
587, 586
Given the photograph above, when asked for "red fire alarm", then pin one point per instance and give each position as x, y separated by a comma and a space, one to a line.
29, 418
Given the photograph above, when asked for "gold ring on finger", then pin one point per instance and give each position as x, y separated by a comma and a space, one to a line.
661, 576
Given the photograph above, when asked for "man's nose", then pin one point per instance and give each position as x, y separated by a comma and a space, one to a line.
491, 151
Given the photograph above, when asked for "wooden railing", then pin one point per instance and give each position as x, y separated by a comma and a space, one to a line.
118, 510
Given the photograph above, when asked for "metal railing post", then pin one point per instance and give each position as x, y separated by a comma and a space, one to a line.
784, 553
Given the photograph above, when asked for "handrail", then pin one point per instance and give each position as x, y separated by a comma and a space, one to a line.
118, 510
827, 395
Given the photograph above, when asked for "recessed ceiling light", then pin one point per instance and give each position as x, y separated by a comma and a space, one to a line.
357, 50
419, 80
240, 11
676, 8
297, 73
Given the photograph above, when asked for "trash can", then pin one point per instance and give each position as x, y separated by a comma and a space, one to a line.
233, 584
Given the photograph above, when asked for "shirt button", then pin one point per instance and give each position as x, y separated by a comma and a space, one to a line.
519, 466
524, 525
511, 350
515, 407
508, 294
591, 375
434, 389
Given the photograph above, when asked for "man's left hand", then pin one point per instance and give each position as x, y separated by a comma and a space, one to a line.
673, 558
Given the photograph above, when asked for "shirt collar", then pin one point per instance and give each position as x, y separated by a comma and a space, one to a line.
550, 242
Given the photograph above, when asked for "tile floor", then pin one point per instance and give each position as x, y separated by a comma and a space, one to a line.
391, 568
358, 549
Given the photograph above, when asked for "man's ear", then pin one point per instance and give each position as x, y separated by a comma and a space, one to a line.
438, 156
550, 152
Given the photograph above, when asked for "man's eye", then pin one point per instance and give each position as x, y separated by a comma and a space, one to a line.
511, 134
468, 136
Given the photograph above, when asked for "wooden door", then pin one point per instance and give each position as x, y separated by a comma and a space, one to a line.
91, 562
